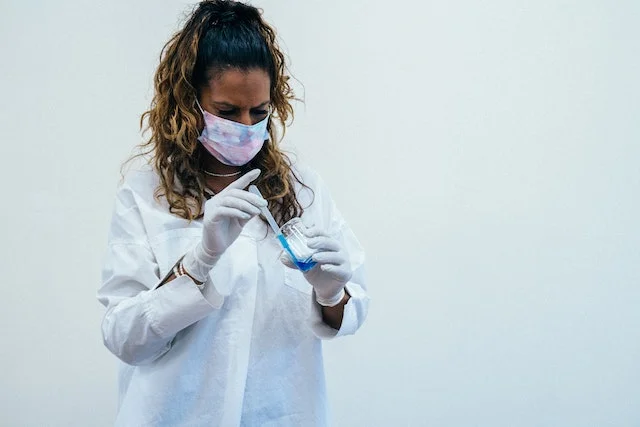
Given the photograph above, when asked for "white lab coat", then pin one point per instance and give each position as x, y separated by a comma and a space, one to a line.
243, 351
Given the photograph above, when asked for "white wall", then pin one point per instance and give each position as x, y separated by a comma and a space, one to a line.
486, 153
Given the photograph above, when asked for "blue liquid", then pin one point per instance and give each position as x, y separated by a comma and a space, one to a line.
305, 265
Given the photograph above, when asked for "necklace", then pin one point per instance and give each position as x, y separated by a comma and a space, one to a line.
222, 175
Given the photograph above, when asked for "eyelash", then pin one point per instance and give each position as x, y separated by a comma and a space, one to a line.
232, 112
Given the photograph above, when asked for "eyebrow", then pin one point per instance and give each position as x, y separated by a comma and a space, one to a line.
227, 105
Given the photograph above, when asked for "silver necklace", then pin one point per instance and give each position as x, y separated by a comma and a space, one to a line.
222, 175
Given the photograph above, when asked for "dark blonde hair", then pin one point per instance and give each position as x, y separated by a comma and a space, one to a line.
218, 35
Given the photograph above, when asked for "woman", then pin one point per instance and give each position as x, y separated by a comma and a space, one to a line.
212, 328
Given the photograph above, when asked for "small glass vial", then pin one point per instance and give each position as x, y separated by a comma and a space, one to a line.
294, 241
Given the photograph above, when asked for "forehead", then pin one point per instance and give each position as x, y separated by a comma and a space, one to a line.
239, 87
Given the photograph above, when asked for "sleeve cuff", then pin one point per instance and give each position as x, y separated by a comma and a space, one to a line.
178, 304
355, 311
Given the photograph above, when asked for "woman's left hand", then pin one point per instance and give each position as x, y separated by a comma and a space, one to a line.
332, 271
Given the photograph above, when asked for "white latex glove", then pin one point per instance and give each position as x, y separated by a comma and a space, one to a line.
332, 271
225, 214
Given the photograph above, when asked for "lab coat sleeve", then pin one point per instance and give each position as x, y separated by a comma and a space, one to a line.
356, 309
142, 320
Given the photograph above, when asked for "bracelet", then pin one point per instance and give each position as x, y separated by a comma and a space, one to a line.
179, 271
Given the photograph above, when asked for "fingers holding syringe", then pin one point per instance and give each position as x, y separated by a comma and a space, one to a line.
256, 201
229, 207
227, 213
240, 205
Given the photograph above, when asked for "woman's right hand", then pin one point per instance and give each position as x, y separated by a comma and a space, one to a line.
225, 214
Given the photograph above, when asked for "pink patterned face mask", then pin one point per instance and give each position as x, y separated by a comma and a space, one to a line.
234, 144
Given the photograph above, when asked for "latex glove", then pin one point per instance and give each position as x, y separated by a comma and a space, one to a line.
332, 271
225, 214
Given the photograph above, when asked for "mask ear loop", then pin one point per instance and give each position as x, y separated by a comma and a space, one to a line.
199, 106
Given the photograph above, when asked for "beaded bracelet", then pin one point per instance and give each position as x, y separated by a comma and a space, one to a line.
179, 271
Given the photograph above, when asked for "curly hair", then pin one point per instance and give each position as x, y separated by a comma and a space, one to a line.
218, 35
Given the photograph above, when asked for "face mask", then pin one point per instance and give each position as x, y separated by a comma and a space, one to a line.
234, 144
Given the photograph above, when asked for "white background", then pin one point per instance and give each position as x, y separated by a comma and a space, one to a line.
487, 154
